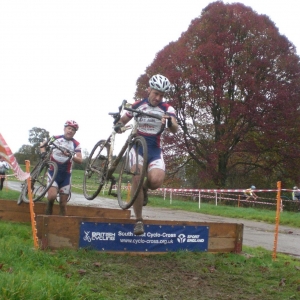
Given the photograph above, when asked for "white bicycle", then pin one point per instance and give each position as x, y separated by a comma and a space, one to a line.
102, 166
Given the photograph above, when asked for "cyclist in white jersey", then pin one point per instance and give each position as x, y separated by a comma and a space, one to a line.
63, 179
148, 128
3, 169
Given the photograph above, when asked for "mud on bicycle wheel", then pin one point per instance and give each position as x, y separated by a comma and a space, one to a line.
96, 170
39, 181
129, 168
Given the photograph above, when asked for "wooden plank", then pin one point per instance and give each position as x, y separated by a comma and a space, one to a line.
223, 237
14, 216
11, 211
220, 244
239, 238
56, 232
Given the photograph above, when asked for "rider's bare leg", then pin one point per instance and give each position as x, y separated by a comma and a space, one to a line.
155, 179
138, 203
52, 192
63, 199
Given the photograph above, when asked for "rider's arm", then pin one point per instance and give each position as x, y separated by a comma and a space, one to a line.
42, 146
122, 122
124, 119
174, 125
171, 124
77, 158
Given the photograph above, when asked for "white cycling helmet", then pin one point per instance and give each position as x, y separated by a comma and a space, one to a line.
295, 188
160, 83
253, 187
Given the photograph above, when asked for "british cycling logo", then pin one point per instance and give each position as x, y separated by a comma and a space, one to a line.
100, 236
181, 238
87, 236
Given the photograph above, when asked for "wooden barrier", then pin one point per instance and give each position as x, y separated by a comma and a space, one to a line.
11, 211
57, 232
223, 237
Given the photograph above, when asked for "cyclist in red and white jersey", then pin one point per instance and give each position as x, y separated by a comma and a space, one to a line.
148, 128
62, 182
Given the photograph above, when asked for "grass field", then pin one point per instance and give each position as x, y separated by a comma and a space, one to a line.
26, 273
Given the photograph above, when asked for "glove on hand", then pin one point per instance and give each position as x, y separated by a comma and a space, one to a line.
118, 127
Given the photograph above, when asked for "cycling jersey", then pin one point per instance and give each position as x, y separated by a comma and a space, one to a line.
149, 127
248, 192
63, 178
63, 162
3, 167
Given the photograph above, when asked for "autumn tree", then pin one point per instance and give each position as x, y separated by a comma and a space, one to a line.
236, 92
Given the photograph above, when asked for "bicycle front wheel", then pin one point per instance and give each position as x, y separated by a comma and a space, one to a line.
20, 198
131, 165
96, 170
40, 183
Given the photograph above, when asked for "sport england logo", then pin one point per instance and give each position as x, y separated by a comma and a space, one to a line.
181, 238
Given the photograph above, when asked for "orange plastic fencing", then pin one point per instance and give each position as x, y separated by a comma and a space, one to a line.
277, 218
31, 205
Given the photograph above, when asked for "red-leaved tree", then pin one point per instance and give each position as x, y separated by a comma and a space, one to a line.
237, 94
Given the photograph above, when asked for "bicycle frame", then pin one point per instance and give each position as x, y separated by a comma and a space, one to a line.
38, 168
112, 165
46, 158
102, 165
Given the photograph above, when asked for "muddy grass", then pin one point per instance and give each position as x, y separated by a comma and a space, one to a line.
190, 276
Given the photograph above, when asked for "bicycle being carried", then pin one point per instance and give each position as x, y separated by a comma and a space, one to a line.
40, 180
101, 164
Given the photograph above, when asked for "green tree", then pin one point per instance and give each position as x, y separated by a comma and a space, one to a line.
36, 136
236, 92
24, 153
31, 152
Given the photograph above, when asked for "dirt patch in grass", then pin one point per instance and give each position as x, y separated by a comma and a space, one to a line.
183, 276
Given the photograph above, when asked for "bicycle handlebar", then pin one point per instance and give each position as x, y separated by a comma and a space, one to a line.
139, 112
117, 116
50, 142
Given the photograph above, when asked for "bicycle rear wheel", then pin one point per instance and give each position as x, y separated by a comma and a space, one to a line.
96, 170
40, 183
130, 166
